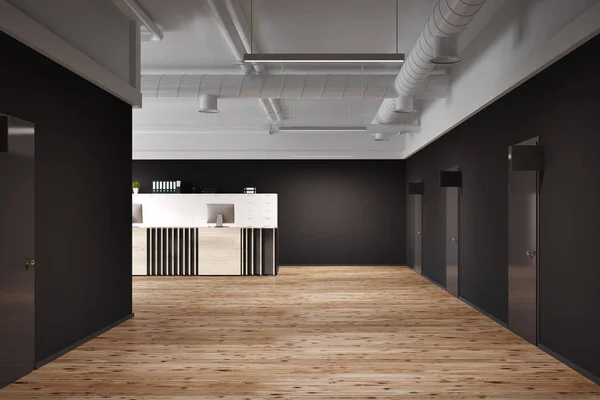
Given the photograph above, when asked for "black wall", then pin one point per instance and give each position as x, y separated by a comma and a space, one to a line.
330, 212
560, 106
83, 170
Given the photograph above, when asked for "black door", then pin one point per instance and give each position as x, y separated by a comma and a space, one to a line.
17, 224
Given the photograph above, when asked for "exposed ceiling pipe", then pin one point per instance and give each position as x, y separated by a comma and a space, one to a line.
243, 29
449, 18
276, 106
226, 25
266, 106
241, 25
227, 20
333, 87
156, 34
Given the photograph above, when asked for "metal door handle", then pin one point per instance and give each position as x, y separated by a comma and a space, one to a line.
530, 253
29, 263
418, 233
454, 239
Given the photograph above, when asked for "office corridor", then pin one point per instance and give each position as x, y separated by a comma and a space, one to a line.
311, 332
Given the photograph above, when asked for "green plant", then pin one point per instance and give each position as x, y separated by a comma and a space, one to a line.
135, 185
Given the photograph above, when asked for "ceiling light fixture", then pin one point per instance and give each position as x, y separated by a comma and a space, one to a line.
322, 129
324, 58
380, 137
445, 50
208, 103
405, 105
322, 156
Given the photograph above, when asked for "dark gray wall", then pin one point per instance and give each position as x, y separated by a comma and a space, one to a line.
83, 170
330, 212
560, 106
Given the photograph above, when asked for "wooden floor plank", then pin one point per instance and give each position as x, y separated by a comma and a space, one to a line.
311, 332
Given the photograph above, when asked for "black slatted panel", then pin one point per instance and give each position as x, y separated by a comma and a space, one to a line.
159, 251
267, 248
243, 246
180, 254
197, 247
186, 257
170, 251
148, 251
276, 251
176, 252
164, 252
192, 252
243, 261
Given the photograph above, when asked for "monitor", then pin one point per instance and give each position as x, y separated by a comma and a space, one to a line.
220, 214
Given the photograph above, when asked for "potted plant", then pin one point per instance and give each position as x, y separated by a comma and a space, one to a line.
136, 187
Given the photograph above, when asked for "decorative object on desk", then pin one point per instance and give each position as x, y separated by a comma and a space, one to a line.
193, 189
250, 190
135, 186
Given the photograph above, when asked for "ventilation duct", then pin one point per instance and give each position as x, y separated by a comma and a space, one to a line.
208, 104
351, 87
449, 18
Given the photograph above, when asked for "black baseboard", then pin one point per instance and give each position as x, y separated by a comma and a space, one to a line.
570, 364
487, 314
430, 280
78, 343
550, 352
467, 302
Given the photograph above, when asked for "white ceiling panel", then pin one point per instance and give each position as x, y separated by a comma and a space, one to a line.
191, 37
336, 26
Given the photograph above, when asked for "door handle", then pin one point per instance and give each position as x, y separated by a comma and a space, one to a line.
418, 233
454, 239
530, 253
29, 263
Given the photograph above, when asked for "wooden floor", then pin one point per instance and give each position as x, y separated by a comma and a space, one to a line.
318, 333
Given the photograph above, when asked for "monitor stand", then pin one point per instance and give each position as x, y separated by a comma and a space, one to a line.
219, 220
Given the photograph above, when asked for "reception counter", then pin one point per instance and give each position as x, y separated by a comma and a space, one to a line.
172, 234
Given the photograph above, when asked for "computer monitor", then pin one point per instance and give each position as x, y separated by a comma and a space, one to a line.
220, 214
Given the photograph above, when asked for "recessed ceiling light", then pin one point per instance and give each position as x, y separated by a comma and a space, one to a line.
322, 129
445, 50
322, 156
324, 58
405, 105
208, 104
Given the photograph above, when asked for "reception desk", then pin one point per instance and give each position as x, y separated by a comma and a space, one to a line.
172, 235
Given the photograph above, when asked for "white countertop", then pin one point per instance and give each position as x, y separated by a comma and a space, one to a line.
188, 210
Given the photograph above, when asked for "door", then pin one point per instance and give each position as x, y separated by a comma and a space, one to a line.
522, 254
418, 263
16, 249
452, 238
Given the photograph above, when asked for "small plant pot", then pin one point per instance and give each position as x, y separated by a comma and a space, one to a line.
136, 190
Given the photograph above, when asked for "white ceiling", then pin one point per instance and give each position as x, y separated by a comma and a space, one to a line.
192, 39
194, 44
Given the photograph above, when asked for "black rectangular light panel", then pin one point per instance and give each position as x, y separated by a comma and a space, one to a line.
450, 179
416, 188
526, 158
3, 134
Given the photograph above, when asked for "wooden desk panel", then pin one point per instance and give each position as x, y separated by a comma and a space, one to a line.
219, 251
